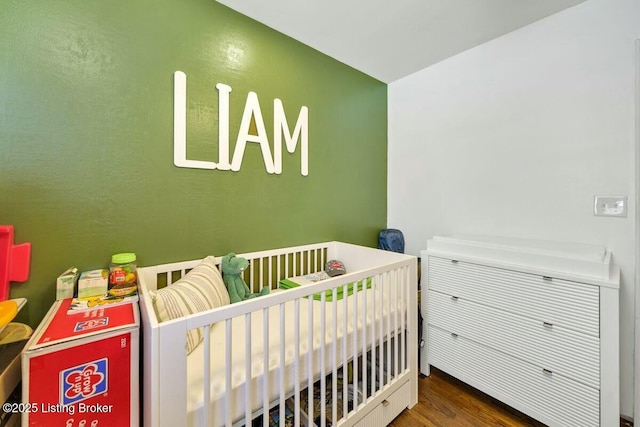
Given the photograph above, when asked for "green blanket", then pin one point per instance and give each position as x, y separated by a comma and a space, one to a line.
290, 284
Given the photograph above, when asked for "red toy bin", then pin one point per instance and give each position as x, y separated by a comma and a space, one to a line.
81, 369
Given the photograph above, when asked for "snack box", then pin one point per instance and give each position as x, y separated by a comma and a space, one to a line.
93, 283
83, 369
66, 284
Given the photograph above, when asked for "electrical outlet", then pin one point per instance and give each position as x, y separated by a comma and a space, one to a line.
610, 206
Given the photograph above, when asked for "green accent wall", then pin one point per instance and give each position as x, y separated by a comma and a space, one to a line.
86, 138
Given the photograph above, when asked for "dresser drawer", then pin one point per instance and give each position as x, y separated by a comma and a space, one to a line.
561, 302
390, 408
549, 397
567, 352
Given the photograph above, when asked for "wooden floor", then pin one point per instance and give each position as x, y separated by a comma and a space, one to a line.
444, 401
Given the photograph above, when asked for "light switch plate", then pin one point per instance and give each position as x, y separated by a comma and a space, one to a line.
610, 206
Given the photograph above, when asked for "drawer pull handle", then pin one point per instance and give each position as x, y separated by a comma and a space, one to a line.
454, 335
547, 371
454, 299
386, 403
454, 261
547, 278
547, 325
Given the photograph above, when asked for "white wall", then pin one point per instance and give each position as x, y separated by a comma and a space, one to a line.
516, 136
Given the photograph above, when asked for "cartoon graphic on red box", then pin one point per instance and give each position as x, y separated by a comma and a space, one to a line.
84, 381
82, 369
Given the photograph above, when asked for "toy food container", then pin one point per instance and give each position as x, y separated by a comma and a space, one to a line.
123, 277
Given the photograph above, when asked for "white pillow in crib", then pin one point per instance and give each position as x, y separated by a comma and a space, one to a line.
199, 290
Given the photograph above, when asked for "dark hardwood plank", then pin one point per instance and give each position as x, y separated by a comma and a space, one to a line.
445, 401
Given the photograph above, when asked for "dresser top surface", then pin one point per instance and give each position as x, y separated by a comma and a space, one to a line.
577, 261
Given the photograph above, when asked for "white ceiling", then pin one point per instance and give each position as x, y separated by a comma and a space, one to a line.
390, 39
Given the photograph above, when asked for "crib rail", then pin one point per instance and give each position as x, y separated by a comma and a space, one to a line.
266, 268
332, 356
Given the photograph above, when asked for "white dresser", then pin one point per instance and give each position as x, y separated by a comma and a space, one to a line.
533, 324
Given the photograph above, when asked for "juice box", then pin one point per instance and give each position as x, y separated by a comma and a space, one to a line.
93, 283
66, 284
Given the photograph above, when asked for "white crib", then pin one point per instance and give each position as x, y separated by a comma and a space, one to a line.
359, 351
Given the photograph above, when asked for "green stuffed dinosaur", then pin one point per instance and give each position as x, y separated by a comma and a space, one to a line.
232, 268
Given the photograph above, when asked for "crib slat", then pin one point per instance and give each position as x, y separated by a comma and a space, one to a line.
300, 263
282, 362
380, 331
376, 340
345, 374
373, 335
404, 306
406, 299
228, 359
365, 367
355, 348
294, 264
286, 266
334, 357
296, 362
265, 367
206, 373
388, 363
247, 366
398, 332
323, 373
392, 324
310, 361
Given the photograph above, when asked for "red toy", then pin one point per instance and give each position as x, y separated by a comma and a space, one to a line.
14, 261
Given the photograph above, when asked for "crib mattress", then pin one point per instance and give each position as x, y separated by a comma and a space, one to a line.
359, 329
